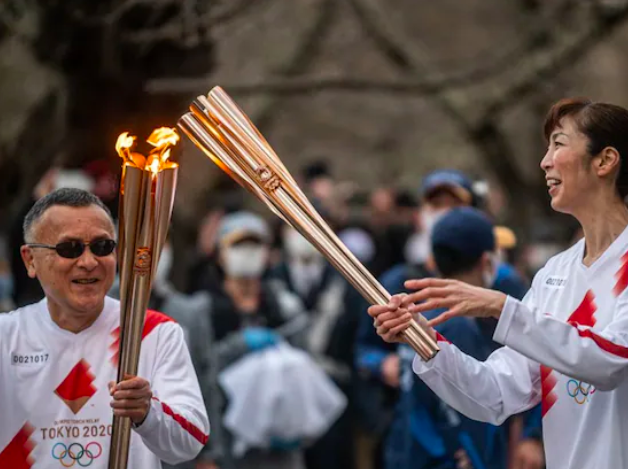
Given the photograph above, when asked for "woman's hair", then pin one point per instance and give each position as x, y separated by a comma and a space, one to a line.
605, 125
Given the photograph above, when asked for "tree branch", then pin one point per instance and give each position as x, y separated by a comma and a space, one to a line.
237, 9
286, 86
302, 56
544, 67
409, 55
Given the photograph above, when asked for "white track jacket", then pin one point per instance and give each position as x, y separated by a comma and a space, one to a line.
54, 401
566, 347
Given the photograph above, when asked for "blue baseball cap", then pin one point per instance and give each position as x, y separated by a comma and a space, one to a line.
452, 180
465, 230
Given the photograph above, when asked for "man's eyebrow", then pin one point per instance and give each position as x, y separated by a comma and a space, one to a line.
77, 238
69, 238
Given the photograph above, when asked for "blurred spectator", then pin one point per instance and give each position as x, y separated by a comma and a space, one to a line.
426, 432
333, 308
378, 361
393, 219
245, 314
203, 274
318, 181
359, 242
6, 280
440, 191
546, 240
105, 183
382, 205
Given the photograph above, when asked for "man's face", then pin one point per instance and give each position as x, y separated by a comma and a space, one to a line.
76, 286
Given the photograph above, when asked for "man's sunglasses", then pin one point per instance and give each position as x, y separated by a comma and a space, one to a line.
75, 249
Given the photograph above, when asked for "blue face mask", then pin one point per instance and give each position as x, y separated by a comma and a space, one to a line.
6, 286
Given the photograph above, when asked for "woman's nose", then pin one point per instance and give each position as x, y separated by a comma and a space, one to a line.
546, 162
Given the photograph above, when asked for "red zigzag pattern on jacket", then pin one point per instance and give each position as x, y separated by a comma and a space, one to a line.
621, 276
151, 321
16, 455
583, 316
186, 424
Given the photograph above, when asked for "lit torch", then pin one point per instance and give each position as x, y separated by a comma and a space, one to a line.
147, 192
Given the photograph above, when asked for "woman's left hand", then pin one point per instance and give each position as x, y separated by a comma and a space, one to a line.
458, 298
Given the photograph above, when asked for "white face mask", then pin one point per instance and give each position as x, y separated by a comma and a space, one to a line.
429, 218
246, 260
489, 276
419, 246
299, 248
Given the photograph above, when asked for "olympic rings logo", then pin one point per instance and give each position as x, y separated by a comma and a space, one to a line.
580, 391
76, 454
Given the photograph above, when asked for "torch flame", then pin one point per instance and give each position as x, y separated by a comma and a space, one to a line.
161, 139
124, 144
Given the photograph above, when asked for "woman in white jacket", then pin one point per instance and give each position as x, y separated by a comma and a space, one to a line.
567, 341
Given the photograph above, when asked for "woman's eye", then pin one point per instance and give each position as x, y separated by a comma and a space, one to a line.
558, 144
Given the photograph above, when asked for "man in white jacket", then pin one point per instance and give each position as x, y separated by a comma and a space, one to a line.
58, 357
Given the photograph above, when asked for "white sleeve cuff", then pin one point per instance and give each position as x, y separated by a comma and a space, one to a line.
151, 421
505, 320
421, 367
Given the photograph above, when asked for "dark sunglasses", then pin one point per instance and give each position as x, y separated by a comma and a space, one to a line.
75, 249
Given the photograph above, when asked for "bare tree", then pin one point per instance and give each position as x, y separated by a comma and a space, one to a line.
556, 36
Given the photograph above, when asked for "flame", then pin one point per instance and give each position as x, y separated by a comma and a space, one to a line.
162, 139
124, 144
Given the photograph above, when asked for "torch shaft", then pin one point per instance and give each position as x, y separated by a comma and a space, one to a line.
244, 154
354, 271
133, 314
147, 193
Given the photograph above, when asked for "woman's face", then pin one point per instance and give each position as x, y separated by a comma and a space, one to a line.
568, 167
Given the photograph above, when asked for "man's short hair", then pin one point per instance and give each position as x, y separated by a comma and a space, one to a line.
460, 238
67, 197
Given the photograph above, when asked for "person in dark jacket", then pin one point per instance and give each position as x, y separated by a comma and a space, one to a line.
426, 433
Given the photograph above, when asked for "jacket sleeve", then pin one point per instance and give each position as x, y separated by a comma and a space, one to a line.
596, 357
506, 383
177, 427
370, 350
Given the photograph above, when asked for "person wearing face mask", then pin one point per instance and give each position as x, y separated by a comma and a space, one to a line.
333, 307
463, 247
378, 362
441, 191
247, 313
